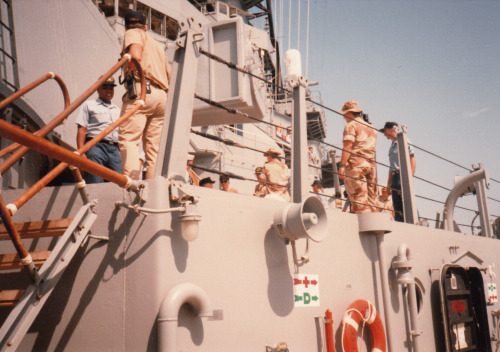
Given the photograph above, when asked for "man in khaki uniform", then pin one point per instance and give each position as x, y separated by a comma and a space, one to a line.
357, 165
276, 174
147, 122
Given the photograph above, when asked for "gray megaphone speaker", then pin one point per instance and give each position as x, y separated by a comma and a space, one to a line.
302, 220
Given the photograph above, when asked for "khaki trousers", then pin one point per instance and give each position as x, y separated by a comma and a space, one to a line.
145, 124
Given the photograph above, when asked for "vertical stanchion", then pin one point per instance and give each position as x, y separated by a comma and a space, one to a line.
300, 161
174, 144
407, 188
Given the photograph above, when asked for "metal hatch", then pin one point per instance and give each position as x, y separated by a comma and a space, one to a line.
463, 307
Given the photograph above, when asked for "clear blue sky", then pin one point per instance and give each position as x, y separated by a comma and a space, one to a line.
432, 65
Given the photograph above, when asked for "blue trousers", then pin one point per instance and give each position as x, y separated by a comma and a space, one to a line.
397, 200
106, 155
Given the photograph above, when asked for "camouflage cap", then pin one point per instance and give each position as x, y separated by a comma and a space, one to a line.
272, 152
350, 106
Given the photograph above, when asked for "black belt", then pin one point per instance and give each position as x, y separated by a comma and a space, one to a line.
102, 141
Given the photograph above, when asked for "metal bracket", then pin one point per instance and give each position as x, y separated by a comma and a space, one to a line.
190, 24
296, 81
470, 254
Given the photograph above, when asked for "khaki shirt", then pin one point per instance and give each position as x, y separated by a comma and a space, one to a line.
276, 174
364, 139
154, 62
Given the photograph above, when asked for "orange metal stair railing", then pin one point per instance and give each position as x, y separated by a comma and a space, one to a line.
25, 90
37, 143
46, 267
56, 121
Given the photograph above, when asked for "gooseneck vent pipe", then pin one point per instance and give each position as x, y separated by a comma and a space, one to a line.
460, 187
169, 312
402, 265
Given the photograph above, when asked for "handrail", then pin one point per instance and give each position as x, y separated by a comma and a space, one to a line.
64, 114
25, 90
106, 173
37, 143
16, 239
69, 158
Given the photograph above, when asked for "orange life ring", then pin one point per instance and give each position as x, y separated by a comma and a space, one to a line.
362, 310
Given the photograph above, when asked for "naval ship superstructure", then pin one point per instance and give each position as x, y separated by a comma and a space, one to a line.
164, 265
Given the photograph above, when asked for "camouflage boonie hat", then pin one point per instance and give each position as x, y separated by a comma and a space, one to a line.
350, 106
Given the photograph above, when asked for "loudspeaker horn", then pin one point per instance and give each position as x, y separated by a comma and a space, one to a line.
302, 220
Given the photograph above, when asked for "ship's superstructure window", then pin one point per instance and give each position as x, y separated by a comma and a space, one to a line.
124, 6
156, 21
8, 57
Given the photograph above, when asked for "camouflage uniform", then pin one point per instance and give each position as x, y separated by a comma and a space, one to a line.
276, 174
361, 174
386, 206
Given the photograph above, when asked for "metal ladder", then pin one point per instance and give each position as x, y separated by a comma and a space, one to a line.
22, 316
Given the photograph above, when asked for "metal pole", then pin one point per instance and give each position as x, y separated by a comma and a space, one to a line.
300, 160
174, 141
385, 287
336, 181
407, 188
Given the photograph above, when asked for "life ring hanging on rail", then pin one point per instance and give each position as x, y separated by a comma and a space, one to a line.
362, 310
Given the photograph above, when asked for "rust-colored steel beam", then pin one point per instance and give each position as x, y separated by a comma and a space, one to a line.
25, 90
18, 154
11, 230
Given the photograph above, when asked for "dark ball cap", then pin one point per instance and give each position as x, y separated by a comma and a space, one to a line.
316, 183
133, 17
387, 125
206, 180
109, 82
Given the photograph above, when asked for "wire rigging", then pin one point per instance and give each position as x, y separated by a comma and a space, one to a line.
235, 111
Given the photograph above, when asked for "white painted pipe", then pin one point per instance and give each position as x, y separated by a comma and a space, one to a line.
385, 287
405, 277
457, 191
169, 312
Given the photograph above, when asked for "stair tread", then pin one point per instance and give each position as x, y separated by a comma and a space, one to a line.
10, 297
12, 261
36, 229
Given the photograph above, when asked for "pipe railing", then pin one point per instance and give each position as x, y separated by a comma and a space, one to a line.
28, 88
106, 173
56, 121
97, 169
37, 143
